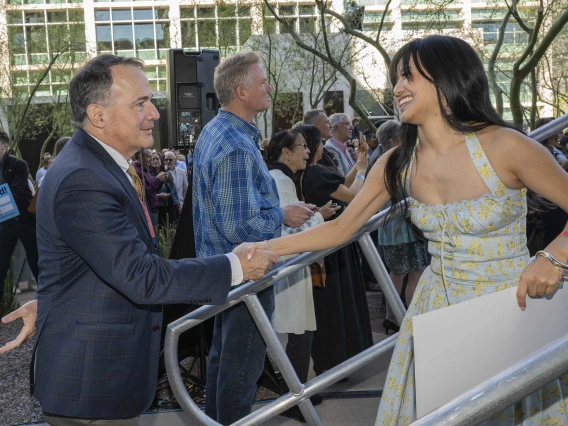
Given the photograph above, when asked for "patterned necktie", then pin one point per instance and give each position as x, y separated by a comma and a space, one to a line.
136, 183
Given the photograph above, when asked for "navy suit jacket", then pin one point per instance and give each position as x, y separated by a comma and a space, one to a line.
101, 287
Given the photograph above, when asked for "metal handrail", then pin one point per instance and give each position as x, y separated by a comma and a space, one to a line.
476, 405
299, 393
553, 128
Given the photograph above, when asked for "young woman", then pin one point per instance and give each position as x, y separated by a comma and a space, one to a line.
466, 172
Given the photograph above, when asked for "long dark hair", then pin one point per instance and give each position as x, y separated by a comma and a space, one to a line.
456, 71
281, 140
312, 136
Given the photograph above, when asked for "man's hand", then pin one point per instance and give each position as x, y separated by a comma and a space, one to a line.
163, 176
297, 214
28, 313
255, 267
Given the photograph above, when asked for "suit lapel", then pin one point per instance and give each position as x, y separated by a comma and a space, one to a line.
116, 171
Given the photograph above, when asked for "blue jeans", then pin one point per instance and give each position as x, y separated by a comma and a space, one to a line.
236, 361
11, 231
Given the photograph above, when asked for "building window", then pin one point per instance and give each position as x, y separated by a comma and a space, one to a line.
222, 26
372, 21
431, 19
42, 1
143, 33
302, 17
35, 37
156, 77
514, 34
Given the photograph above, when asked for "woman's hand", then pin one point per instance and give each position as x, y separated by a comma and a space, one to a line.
328, 210
163, 195
538, 279
362, 162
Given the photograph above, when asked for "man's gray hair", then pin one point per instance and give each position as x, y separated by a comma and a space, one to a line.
335, 119
232, 72
388, 131
91, 85
311, 115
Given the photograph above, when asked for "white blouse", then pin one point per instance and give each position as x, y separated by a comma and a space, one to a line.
294, 302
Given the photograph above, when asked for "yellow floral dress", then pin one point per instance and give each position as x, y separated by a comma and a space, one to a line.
478, 247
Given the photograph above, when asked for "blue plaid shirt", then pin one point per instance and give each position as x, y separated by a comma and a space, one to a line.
235, 199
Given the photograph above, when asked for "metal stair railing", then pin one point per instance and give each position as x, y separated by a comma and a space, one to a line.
299, 393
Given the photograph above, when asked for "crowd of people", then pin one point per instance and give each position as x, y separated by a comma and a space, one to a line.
464, 171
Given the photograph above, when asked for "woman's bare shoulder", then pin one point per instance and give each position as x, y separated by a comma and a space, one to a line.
504, 142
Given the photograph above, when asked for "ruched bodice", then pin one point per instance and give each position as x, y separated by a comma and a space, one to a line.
478, 247
479, 241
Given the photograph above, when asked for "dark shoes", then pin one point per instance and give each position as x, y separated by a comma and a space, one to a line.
372, 286
389, 325
296, 414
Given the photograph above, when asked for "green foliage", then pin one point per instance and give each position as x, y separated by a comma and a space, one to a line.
166, 238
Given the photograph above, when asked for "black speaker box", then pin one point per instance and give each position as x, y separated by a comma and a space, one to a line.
192, 102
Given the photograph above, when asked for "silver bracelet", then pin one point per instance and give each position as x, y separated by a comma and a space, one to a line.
268, 245
562, 268
360, 177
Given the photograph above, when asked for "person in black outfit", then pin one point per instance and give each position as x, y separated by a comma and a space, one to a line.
342, 314
14, 172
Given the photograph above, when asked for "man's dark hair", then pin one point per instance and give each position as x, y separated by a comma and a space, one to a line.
91, 85
4, 138
138, 154
311, 115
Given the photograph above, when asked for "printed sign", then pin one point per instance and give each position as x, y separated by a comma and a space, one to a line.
8, 208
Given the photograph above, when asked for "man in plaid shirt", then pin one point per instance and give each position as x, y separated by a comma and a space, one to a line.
235, 200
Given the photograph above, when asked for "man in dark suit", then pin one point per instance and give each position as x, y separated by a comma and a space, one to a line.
101, 282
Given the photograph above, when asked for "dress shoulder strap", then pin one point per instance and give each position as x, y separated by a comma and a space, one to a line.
482, 164
408, 172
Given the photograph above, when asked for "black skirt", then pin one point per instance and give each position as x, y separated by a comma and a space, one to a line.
404, 258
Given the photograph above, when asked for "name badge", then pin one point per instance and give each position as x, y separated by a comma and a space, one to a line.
8, 208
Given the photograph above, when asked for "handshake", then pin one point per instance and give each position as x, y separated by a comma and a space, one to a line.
255, 267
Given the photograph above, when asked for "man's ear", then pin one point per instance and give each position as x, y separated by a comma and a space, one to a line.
95, 114
240, 92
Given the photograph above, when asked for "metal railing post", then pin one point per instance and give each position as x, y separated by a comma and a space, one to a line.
176, 382
383, 278
281, 359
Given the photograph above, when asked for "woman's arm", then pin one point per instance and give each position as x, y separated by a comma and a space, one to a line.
350, 189
331, 234
532, 166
